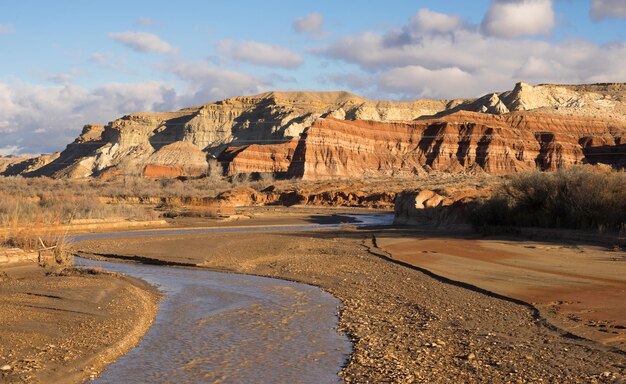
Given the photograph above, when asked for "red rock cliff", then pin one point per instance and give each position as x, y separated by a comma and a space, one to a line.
463, 141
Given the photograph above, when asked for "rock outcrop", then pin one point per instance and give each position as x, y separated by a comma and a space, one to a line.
258, 158
435, 207
176, 159
17, 165
338, 134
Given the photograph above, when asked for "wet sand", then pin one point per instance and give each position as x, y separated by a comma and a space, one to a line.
581, 288
406, 326
65, 328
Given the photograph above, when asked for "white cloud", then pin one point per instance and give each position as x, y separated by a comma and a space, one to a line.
146, 21
426, 20
9, 150
207, 83
514, 18
42, 119
142, 42
108, 60
261, 54
464, 48
6, 29
311, 24
602, 9
405, 80
5, 127
62, 77
100, 57
464, 62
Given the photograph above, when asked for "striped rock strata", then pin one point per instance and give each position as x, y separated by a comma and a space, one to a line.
460, 142
301, 134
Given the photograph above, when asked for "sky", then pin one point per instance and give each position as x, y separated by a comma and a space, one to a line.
64, 64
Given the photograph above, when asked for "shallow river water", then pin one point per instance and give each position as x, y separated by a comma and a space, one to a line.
227, 328
219, 327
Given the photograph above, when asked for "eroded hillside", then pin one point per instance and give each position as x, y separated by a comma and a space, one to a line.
338, 134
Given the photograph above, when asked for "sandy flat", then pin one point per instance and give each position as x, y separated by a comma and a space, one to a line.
579, 287
405, 325
64, 328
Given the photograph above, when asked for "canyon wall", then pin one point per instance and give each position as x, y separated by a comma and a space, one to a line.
339, 134
460, 142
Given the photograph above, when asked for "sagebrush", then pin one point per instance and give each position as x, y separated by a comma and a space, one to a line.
580, 197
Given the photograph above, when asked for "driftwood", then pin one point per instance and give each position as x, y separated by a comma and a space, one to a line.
49, 255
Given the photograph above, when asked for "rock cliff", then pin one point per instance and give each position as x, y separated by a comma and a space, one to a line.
460, 142
338, 134
444, 207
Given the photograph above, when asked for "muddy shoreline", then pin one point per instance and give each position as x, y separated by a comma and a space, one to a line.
406, 326
66, 326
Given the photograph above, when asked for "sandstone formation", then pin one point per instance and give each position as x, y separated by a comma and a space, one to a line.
338, 134
442, 207
176, 159
459, 142
268, 158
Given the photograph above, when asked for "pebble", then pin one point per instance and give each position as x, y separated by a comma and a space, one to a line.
470, 356
5, 368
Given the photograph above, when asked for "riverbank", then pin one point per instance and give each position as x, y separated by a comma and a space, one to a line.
406, 326
66, 326
578, 287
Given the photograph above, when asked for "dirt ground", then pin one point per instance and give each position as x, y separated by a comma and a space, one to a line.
406, 325
66, 327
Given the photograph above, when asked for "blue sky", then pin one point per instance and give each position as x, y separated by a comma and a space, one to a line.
68, 63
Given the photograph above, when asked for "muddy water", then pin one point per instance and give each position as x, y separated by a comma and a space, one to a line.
227, 328
216, 327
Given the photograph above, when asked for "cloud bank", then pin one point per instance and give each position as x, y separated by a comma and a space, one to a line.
256, 53
41, 119
44, 118
603, 9
436, 55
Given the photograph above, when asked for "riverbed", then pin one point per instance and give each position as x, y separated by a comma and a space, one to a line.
221, 327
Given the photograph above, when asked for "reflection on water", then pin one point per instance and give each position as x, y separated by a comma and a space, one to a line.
359, 220
215, 327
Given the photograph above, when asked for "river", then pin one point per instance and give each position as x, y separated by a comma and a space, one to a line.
217, 327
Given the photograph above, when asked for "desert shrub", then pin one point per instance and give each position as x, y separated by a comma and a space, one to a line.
209, 210
579, 197
494, 211
34, 209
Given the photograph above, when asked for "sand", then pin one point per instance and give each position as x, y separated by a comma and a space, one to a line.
581, 288
66, 327
406, 325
